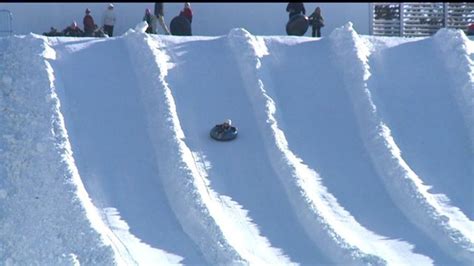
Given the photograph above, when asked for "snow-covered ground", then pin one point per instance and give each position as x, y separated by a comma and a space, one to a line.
352, 149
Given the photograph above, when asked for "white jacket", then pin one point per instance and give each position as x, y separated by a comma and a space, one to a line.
108, 18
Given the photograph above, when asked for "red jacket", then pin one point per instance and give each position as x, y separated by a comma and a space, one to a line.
470, 30
88, 23
187, 13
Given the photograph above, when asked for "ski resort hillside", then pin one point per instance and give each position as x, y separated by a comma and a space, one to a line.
351, 149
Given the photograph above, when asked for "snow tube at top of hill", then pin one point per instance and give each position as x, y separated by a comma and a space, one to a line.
180, 26
217, 134
297, 25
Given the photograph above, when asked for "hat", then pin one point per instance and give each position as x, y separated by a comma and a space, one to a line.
187, 4
228, 122
88, 10
111, 5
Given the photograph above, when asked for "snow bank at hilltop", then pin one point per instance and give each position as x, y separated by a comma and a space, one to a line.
458, 53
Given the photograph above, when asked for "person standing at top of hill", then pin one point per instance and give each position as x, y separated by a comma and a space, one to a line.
108, 20
317, 22
148, 17
159, 16
295, 9
187, 12
470, 29
89, 25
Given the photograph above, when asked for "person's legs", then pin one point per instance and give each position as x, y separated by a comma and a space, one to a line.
314, 32
107, 30
161, 19
88, 33
318, 32
154, 24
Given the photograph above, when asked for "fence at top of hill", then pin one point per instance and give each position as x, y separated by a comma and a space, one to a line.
418, 19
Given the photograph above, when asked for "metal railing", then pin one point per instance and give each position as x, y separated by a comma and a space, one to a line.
418, 19
6, 22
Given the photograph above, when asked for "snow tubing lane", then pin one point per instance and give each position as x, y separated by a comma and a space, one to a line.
297, 25
180, 26
225, 136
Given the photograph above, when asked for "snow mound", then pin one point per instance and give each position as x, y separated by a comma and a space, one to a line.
319, 146
141, 27
42, 200
429, 211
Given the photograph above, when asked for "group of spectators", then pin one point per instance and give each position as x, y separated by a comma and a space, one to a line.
91, 29
109, 18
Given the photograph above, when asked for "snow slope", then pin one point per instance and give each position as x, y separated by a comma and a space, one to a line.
351, 150
43, 199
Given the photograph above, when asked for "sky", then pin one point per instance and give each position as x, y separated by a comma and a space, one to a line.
350, 150
210, 19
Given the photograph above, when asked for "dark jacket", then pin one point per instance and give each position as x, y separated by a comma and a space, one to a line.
73, 32
89, 24
159, 9
53, 32
148, 19
221, 128
316, 20
295, 8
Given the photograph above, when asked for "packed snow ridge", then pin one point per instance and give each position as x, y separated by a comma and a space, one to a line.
354, 150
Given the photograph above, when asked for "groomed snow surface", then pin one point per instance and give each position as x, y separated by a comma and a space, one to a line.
352, 150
